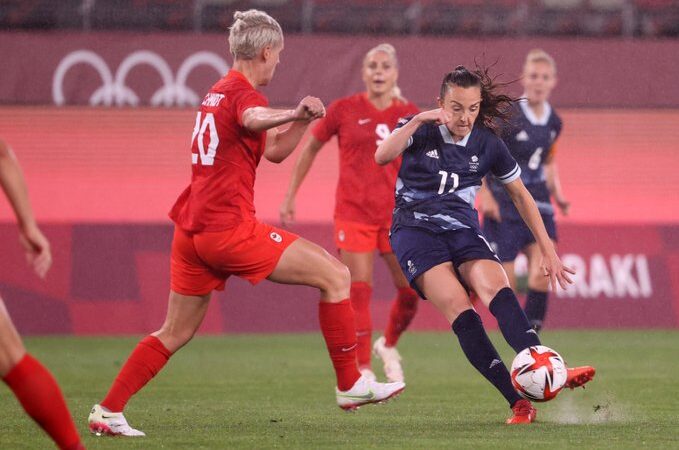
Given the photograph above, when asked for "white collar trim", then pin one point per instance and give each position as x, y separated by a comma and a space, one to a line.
530, 115
448, 138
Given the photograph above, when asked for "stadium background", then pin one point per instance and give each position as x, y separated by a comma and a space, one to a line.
106, 153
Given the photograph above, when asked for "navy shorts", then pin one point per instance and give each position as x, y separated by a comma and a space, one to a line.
509, 237
418, 250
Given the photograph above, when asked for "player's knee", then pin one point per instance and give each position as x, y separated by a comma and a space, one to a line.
537, 280
337, 283
173, 338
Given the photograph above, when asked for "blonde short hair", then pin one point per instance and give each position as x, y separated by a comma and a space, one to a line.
391, 51
539, 55
252, 30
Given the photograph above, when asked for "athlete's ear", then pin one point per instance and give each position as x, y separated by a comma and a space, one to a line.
439, 101
266, 53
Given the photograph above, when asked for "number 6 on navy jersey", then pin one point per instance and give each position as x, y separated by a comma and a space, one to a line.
444, 178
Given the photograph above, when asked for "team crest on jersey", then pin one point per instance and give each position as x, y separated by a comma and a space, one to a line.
474, 164
433, 154
522, 136
276, 237
341, 236
411, 267
552, 135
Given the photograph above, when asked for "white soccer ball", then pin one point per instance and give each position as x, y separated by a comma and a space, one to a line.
538, 373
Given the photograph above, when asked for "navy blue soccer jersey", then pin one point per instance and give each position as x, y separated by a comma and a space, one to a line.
438, 180
531, 142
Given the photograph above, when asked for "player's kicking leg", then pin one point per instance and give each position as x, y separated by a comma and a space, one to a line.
34, 387
185, 313
308, 264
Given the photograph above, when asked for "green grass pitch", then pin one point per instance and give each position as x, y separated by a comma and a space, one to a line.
276, 391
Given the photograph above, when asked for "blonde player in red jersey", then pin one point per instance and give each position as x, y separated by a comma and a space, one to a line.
31, 382
217, 235
365, 199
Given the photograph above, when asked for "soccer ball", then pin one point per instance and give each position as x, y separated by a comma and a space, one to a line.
538, 373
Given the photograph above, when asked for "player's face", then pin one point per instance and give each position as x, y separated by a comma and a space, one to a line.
272, 56
538, 81
379, 73
463, 105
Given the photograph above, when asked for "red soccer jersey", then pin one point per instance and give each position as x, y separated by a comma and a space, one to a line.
365, 191
225, 157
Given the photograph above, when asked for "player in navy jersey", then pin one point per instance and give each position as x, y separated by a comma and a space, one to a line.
436, 234
531, 136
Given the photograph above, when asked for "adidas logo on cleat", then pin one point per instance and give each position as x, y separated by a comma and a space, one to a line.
433, 154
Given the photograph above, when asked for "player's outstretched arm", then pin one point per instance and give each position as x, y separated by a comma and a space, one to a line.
34, 242
554, 186
299, 172
279, 144
260, 118
396, 143
551, 263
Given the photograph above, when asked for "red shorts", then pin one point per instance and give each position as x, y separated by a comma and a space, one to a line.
202, 262
362, 237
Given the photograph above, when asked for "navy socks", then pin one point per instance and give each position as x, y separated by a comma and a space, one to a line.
482, 355
512, 321
536, 308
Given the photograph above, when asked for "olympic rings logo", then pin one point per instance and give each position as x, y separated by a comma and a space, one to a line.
114, 91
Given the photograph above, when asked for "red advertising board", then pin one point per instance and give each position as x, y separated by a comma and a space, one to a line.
114, 279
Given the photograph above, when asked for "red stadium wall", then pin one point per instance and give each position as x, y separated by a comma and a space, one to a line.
592, 73
102, 181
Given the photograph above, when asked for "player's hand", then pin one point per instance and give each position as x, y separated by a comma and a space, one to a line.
490, 208
287, 211
564, 205
309, 108
553, 268
438, 116
37, 249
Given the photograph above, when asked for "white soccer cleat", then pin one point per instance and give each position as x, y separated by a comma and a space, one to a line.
367, 373
391, 359
364, 392
110, 423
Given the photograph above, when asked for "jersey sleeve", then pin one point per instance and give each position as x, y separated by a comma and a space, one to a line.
417, 140
328, 126
504, 166
249, 99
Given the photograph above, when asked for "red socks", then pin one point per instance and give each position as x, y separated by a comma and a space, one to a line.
144, 363
360, 302
403, 310
39, 394
339, 331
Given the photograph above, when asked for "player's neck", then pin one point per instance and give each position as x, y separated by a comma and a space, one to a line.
249, 70
538, 108
380, 102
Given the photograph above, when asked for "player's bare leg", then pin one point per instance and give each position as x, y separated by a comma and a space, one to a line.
185, 313
306, 263
403, 309
360, 265
441, 286
11, 347
34, 386
509, 268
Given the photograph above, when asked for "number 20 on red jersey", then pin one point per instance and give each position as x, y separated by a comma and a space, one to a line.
206, 157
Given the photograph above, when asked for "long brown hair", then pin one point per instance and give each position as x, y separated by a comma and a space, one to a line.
496, 107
